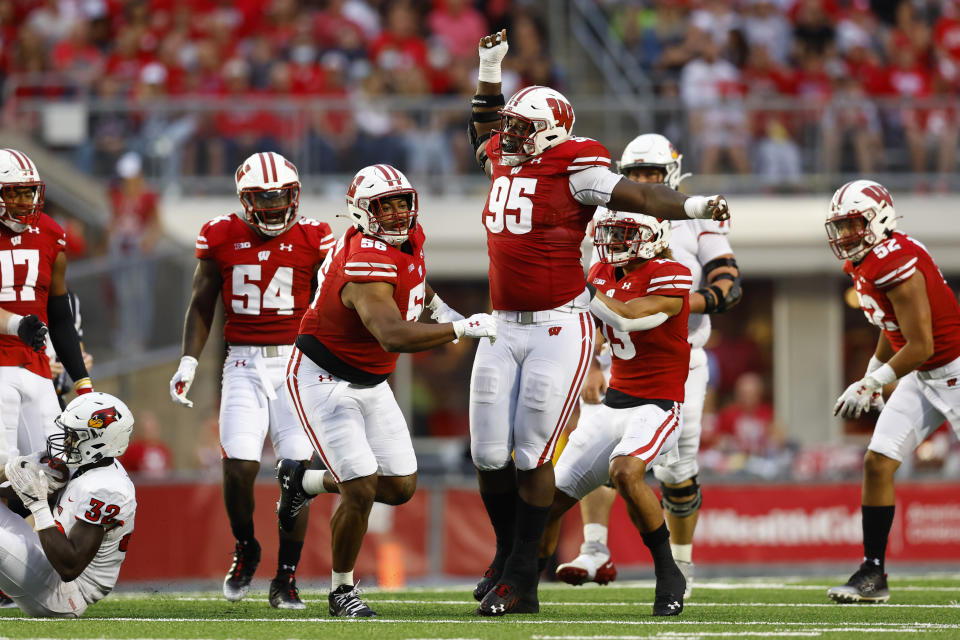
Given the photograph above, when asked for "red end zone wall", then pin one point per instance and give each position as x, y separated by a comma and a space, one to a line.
182, 530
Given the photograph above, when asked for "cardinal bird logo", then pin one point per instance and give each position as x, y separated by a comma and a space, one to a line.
102, 418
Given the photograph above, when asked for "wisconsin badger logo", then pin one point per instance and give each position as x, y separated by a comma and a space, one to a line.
102, 418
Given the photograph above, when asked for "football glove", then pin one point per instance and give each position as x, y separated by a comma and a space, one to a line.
182, 379
714, 207
479, 325
492, 50
33, 332
441, 312
27, 480
865, 394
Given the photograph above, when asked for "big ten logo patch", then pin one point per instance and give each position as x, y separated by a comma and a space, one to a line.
554, 331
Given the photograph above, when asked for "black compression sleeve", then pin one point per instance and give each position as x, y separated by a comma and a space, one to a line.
63, 335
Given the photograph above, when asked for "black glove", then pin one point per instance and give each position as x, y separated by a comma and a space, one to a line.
33, 332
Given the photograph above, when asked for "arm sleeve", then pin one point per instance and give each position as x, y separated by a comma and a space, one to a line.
64, 337
593, 185
609, 317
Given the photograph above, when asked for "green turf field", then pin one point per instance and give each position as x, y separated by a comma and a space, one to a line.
920, 607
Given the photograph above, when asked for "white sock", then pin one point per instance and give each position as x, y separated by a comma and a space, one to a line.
682, 552
313, 481
341, 578
593, 532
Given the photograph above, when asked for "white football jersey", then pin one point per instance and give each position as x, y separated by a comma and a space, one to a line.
103, 496
694, 243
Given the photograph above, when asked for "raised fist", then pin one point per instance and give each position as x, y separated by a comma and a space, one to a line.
719, 210
33, 332
479, 325
492, 50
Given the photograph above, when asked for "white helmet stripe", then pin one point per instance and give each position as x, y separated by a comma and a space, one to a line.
16, 154
273, 165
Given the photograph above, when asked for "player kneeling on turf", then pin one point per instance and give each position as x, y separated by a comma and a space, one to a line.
643, 303
71, 557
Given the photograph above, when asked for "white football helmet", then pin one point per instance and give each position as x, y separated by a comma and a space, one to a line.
861, 217
269, 188
21, 189
533, 120
95, 426
653, 150
621, 237
371, 186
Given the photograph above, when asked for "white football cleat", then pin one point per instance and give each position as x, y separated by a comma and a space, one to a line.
686, 568
592, 565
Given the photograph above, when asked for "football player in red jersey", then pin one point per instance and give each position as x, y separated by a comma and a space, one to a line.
901, 291
261, 263
372, 291
32, 283
644, 307
545, 187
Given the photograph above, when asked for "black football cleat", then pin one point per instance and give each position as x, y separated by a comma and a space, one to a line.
868, 584
289, 475
489, 580
284, 593
668, 600
246, 558
505, 598
345, 602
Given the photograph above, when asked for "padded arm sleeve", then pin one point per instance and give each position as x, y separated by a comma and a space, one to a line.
593, 185
63, 335
619, 323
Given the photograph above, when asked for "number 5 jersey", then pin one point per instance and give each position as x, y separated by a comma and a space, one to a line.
891, 263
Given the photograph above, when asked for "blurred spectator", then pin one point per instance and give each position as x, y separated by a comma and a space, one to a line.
765, 26
134, 231
147, 455
747, 425
459, 26
851, 119
813, 28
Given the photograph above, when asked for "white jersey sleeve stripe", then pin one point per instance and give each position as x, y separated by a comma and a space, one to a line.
901, 278
892, 274
387, 274
678, 277
602, 159
679, 286
377, 265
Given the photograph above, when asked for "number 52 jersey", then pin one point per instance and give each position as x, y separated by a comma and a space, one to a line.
891, 263
266, 281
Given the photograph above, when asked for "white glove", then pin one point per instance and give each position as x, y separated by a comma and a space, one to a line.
492, 50
27, 480
865, 394
182, 379
479, 325
705, 207
441, 312
54, 469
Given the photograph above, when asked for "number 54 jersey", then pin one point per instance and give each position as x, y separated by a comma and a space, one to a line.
266, 281
891, 263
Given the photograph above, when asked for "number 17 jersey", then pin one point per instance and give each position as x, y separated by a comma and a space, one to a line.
535, 226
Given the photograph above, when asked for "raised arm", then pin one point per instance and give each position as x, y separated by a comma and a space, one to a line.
488, 100
663, 202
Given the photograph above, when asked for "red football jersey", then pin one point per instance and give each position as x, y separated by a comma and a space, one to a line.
26, 267
361, 258
535, 226
266, 281
650, 364
891, 263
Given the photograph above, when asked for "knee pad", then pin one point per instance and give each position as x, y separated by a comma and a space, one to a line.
684, 509
485, 385
538, 386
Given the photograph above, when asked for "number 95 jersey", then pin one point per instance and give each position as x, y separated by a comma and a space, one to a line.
266, 281
891, 263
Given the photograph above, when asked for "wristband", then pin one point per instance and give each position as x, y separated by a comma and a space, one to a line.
489, 72
83, 385
481, 100
13, 324
884, 375
42, 518
696, 207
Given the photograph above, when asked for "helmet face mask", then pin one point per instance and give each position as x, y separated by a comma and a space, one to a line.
94, 426
533, 120
861, 216
382, 203
621, 238
653, 151
21, 191
268, 186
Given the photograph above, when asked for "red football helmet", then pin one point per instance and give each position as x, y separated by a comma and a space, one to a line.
861, 217
533, 120
269, 189
21, 190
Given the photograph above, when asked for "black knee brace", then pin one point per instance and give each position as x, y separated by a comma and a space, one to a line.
681, 509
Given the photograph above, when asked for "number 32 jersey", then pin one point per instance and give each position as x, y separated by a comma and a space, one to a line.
891, 263
266, 281
650, 364
102, 496
535, 226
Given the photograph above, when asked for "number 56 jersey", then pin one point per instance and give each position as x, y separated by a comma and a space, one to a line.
102, 496
266, 281
891, 263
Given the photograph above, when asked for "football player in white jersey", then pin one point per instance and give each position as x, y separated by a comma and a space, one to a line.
702, 247
71, 556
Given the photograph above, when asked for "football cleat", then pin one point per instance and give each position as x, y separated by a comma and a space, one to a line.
284, 593
686, 568
289, 475
868, 584
246, 557
6, 602
592, 565
345, 602
668, 600
489, 580
505, 598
